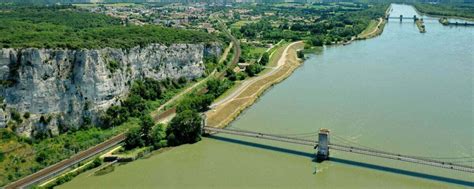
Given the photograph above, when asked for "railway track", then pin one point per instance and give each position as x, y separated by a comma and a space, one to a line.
65, 164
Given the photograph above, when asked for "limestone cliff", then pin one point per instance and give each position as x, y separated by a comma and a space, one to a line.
67, 85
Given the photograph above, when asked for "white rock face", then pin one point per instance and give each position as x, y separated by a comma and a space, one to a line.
71, 84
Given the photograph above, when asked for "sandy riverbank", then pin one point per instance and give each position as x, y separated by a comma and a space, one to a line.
225, 111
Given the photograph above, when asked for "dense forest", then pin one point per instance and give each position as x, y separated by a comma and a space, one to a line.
68, 27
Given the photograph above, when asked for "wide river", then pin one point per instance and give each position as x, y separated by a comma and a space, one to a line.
403, 92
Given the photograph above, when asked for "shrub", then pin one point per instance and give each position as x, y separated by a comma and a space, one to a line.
113, 65
253, 69
134, 139
26, 115
16, 116
195, 102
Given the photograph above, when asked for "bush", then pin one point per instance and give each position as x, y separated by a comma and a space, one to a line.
113, 65
317, 41
217, 87
253, 69
229, 73
265, 58
148, 89
16, 116
300, 54
158, 136
195, 102
134, 139
26, 115
184, 128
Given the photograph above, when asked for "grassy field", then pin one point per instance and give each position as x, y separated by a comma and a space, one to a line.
241, 23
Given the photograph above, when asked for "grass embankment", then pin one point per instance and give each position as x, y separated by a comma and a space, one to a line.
374, 29
223, 114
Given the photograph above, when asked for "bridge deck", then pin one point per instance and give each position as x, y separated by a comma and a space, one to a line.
345, 148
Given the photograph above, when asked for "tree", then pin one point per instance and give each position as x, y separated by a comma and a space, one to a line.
265, 58
146, 126
317, 41
134, 139
195, 102
184, 128
158, 136
300, 54
253, 69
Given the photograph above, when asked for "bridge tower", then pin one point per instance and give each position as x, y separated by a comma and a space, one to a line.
414, 18
323, 145
401, 17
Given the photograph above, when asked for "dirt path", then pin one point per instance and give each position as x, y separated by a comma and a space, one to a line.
376, 27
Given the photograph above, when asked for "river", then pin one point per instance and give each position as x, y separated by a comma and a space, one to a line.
403, 92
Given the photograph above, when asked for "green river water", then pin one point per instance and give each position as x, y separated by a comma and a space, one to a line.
402, 92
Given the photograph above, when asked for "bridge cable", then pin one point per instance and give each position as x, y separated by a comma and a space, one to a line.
425, 157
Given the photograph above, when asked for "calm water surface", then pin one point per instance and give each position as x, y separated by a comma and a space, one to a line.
403, 92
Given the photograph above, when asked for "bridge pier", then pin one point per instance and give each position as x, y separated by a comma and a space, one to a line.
414, 18
401, 17
323, 145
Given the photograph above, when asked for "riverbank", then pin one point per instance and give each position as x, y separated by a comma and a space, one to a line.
441, 11
226, 110
374, 29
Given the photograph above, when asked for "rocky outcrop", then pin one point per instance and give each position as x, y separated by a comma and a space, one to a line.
68, 85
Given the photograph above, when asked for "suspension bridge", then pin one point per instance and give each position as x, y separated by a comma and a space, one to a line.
323, 146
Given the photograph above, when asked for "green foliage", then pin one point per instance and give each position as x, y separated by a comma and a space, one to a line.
114, 116
210, 62
145, 135
217, 87
300, 54
26, 115
148, 89
113, 65
134, 139
158, 136
465, 10
16, 116
68, 27
265, 58
317, 41
252, 30
195, 102
253, 69
184, 128
229, 73
136, 104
